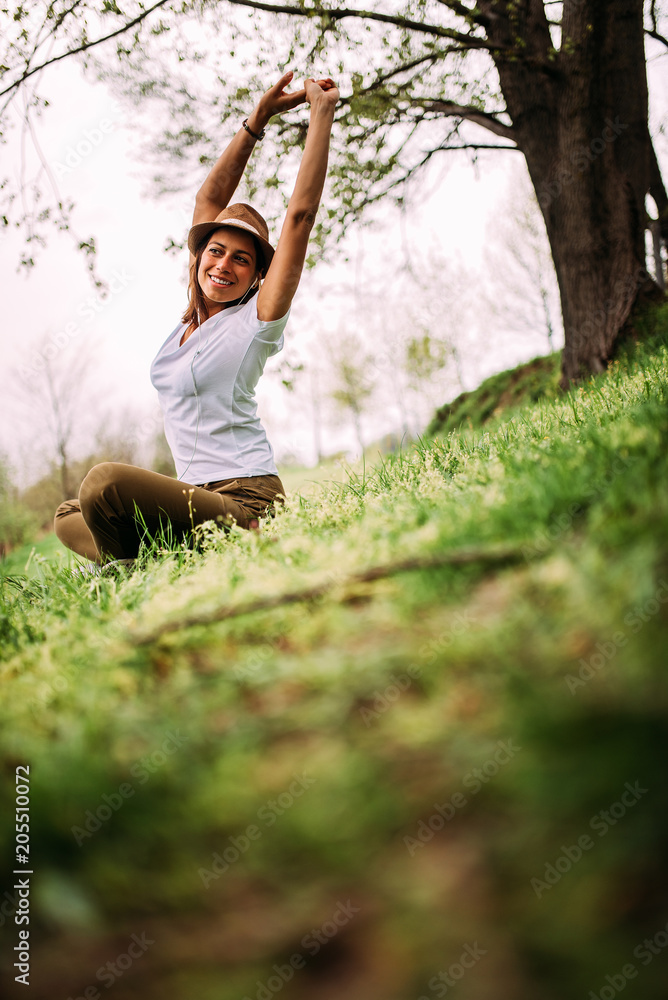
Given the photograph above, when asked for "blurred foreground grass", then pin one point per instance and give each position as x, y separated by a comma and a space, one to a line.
444, 779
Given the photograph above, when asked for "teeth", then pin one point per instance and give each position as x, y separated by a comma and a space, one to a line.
219, 281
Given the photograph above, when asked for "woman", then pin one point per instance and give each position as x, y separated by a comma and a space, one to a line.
240, 294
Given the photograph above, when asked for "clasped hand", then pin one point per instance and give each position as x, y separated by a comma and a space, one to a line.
276, 100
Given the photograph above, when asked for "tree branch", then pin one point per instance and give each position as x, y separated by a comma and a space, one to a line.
64, 14
470, 13
494, 556
410, 172
477, 145
82, 48
654, 33
340, 13
482, 118
406, 68
658, 36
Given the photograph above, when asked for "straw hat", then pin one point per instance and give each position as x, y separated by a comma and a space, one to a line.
239, 217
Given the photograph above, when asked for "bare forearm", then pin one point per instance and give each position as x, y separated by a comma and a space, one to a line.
224, 176
280, 285
310, 181
217, 190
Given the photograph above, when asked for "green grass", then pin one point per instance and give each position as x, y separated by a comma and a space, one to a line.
268, 770
22, 560
308, 480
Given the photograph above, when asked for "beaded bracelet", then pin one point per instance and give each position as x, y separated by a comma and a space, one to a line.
259, 137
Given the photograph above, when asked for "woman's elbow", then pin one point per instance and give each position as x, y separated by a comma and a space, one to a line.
303, 216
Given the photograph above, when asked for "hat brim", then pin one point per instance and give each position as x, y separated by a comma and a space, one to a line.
201, 232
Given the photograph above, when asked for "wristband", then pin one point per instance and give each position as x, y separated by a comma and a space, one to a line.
250, 131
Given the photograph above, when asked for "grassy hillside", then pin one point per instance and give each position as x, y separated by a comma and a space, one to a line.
408, 740
499, 395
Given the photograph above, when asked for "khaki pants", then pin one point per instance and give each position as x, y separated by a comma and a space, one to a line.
103, 523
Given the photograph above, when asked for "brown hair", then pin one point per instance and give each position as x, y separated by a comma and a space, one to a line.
198, 311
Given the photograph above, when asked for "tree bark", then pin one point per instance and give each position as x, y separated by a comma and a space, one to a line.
581, 121
659, 227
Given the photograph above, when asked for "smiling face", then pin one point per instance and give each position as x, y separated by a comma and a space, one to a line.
228, 267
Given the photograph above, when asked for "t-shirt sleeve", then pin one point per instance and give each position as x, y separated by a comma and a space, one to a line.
270, 332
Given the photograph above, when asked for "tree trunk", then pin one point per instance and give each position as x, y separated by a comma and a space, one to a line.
316, 416
659, 228
64, 470
582, 127
356, 412
549, 328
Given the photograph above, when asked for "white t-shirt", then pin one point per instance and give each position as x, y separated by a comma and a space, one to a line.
206, 389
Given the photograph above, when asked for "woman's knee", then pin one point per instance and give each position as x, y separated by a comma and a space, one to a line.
100, 478
66, 509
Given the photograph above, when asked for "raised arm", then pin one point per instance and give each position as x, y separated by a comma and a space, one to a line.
223, 178
278, 289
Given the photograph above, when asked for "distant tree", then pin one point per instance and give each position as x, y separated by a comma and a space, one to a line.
55, 393
443, 310
162, 459
17, 523
353, 377
135, 438
425, 356
315, 379
58, 391
407, 336
520, 283
307, 392
385, 325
